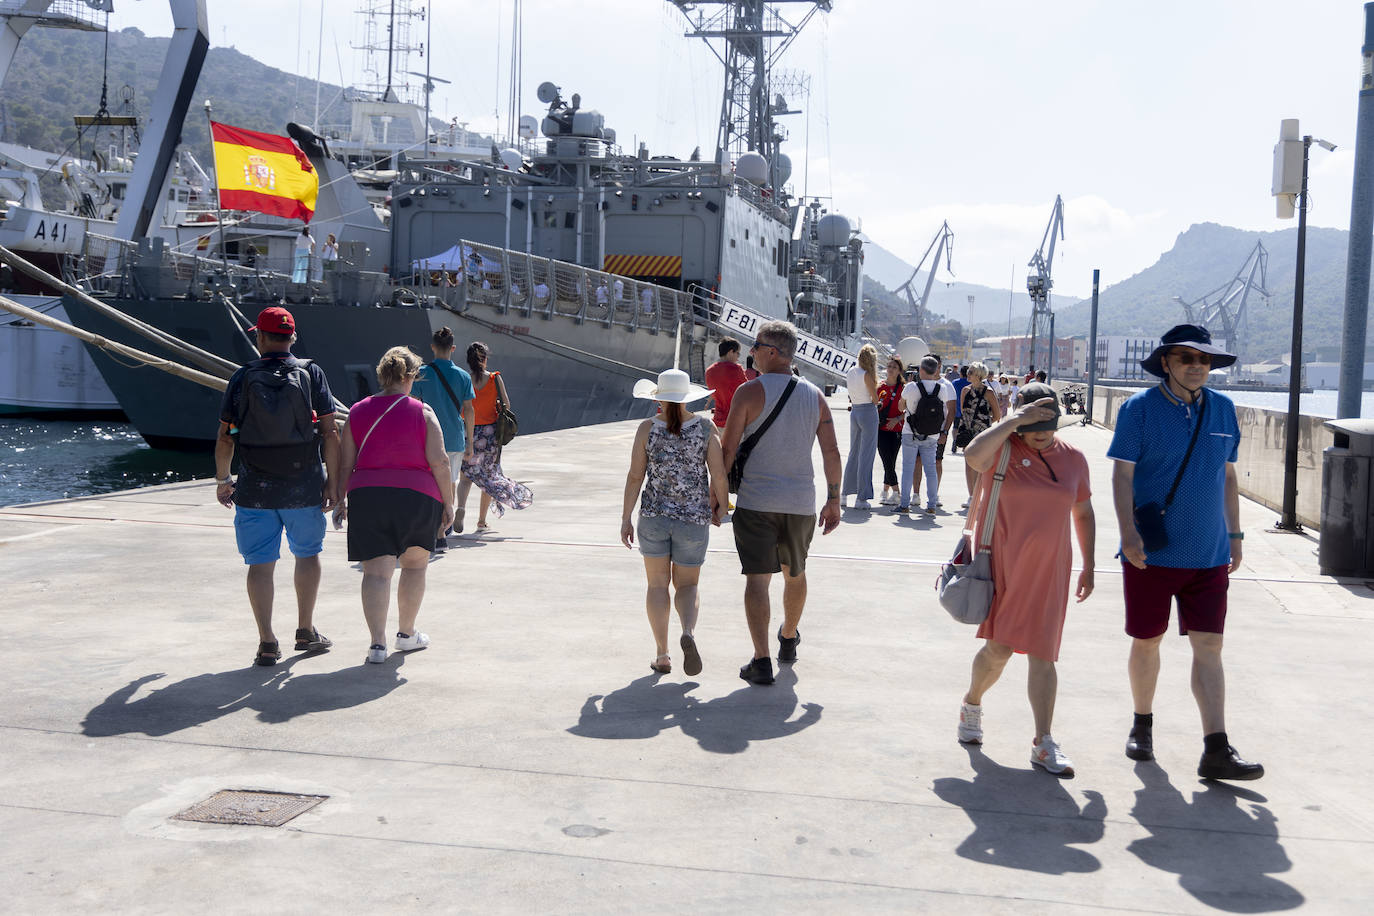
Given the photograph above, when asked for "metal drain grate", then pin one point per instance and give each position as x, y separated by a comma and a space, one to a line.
253, 808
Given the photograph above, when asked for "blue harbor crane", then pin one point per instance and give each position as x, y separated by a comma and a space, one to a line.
1039, 284
942, 245
1223, 309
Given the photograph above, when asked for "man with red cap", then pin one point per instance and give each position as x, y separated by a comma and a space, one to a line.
279, 413
1178, 506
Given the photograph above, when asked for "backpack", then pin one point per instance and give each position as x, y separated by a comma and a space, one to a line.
276, 426
929, 416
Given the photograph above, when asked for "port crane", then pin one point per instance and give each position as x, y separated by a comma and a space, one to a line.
1039, 284
1224, 307
942, 245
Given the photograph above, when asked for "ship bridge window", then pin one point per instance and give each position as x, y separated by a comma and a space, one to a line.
732, 243
746, 235
550, 219
570, 220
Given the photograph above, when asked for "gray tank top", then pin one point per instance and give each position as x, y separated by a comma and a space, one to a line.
779, 476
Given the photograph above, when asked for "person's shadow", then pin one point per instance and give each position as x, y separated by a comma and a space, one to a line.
274, 692
1222, 852
1024, 818
641, 709
725, 725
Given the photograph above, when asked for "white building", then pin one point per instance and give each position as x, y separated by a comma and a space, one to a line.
1119, 357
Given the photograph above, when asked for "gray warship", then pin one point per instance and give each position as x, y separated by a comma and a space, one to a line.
583, 267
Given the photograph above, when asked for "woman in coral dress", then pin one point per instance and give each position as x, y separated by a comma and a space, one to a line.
1045, 487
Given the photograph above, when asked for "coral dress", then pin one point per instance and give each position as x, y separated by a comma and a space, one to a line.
1032, 548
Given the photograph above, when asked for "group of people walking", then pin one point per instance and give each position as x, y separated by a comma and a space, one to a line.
399, 473
1025, 484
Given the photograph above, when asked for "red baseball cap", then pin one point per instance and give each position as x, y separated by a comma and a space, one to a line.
275, 320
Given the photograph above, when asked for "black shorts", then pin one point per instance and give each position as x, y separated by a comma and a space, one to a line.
387, 521
767, 541
940, 449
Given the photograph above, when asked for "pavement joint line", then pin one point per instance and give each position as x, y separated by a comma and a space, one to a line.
556, 774
71, 811
673, 866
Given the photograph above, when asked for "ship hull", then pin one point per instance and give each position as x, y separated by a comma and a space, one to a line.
46, 373
559, 373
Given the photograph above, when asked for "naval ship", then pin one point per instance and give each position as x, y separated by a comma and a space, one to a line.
584, 267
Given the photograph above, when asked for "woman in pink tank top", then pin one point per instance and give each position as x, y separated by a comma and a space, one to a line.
395, 472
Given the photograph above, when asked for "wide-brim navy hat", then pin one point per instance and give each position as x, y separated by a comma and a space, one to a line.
1185, 335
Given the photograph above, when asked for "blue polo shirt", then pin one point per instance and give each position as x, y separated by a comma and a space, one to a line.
960, 384
430, 390
1152, 432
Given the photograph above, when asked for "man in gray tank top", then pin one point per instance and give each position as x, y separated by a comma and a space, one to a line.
775, 514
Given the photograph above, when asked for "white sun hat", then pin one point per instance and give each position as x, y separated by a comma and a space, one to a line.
673, 385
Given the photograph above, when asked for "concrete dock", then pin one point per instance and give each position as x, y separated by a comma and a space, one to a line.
529, 761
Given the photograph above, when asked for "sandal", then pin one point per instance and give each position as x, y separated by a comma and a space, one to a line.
268, 654
663, 664
458, 522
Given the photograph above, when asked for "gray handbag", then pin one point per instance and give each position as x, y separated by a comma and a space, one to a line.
965, 583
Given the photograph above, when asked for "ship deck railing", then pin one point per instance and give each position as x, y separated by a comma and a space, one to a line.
507, 282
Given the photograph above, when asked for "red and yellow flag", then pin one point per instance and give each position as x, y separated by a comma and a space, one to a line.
263, 172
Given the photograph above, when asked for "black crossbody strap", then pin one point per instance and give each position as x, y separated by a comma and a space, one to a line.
457, 405
753, 440
1201, 413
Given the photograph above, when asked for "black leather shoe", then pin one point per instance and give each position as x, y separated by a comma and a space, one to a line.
1227, 765
787, 648
1141, 744
759, 671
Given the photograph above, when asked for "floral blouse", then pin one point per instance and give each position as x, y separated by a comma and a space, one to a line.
676, 480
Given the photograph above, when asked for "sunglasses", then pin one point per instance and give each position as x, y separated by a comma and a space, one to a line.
1192, 357
769, 346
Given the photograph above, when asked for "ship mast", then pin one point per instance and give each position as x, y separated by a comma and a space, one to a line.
748, 37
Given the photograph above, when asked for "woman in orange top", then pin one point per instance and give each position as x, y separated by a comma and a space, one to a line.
484, 467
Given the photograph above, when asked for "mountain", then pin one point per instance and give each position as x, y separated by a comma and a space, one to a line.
1207, 256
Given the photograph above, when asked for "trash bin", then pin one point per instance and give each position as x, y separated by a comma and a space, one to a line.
1346, 547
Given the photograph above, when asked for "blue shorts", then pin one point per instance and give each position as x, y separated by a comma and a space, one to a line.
258, 533
682, 542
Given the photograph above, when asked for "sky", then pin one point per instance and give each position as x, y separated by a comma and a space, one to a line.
1145, 117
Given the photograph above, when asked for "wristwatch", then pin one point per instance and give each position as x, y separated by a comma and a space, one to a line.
224, 480
1236, 535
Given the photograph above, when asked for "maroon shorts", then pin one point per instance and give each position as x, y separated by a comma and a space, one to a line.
1201, 595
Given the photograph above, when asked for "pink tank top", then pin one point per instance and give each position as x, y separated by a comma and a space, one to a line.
394, 453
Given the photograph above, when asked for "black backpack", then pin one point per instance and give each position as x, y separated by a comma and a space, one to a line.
929, 416
276, 427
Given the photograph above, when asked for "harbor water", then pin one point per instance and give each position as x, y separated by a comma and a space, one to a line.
56, 459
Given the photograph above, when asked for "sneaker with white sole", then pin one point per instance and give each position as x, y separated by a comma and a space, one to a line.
1048, 755
970, 724
376, 654
416, 640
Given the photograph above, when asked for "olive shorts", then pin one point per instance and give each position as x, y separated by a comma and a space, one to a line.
767, 541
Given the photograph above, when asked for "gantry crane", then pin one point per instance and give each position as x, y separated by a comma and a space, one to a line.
942, 244
1223, 308
1039, 284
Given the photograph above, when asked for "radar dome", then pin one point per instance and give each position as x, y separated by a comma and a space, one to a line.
784, 168
512, 159
529, 127
753, 168
833, 231
911, 349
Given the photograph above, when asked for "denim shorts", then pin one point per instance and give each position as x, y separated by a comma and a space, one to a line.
682, 542
258, 533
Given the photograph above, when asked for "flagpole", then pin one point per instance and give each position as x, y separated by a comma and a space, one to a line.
219, 210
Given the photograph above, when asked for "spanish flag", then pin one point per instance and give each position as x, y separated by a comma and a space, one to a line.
263, 172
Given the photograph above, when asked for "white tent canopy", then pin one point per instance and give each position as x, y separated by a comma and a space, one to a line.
459, 257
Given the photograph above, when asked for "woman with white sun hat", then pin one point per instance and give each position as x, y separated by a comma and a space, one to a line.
676, 462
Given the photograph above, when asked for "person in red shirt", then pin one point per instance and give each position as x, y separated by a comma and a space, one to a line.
725, 375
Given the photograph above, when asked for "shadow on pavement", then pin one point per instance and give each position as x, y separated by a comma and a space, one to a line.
725, 725
1222, 852
1024, 818
276, 694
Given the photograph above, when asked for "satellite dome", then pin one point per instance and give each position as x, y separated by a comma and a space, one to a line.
512, 159
911, 349
833, 230
753, 168
529, 127
784, 168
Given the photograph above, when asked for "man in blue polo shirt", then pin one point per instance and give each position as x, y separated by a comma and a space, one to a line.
1178, 506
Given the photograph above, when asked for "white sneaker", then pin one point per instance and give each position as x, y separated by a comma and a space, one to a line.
970, 724
862, 504
1050, 757
376, 654
416, 640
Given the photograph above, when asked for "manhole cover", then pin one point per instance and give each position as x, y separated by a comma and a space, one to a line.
256, 809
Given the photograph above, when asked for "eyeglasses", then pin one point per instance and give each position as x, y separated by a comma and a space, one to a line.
769, 346
1189, 357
